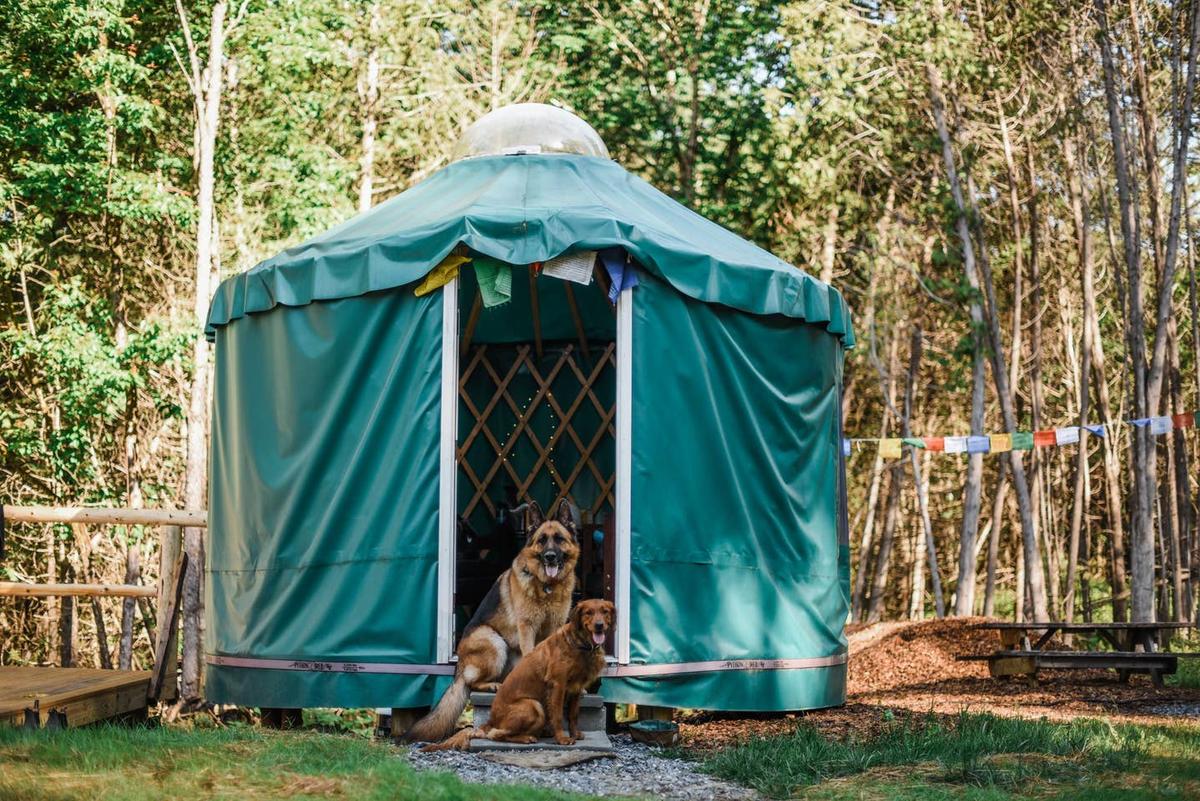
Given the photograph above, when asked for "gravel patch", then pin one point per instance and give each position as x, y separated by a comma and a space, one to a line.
635, 770
1180, 709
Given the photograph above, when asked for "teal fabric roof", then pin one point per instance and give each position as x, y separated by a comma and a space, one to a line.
523, 209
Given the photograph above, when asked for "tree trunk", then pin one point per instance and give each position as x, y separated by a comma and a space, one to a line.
368, 98
128, 607
864, 551
1113, 492
1177, 470
1142, 551
886, 541
829, 244
1035, 577
972, 488
206, 87
914, 367
1077, 189
1191, 552
989, 590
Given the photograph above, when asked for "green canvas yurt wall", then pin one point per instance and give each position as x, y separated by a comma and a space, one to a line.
322, 559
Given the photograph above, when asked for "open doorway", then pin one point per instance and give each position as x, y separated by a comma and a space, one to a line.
537, 387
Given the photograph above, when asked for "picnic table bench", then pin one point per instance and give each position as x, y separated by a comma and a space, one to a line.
1135, 649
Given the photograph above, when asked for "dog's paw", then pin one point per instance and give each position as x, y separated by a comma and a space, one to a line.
576, 735
564, 739
488, 687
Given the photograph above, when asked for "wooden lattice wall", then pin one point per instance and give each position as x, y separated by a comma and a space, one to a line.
562, 404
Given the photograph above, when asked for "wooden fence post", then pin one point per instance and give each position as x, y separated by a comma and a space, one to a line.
170, 549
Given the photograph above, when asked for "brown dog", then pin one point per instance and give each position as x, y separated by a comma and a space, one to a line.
528, 602
532, 699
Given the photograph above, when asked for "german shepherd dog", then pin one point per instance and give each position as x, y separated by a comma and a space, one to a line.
552, 679
526, 604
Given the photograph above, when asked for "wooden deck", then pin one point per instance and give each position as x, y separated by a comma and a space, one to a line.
71, 696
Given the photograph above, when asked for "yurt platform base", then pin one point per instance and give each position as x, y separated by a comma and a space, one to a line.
52, 697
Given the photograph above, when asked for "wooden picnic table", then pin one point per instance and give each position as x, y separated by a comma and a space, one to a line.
1135, 648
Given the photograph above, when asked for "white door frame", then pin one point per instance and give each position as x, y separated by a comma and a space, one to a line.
448, 474
624, 468
448, 471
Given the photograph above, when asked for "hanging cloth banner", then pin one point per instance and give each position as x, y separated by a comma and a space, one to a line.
622, 273
574, 267
978, 444
444, 273
1160, 425
956, 444
1022, 441
1097, 431
916, 442
889, 448
845, 447
495, 281
1184, 420
1001, 443
1044, 439
1066, 436
935, 443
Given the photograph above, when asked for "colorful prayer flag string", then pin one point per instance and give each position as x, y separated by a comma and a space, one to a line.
892, 447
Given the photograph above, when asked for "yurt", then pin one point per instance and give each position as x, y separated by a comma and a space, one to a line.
529, 323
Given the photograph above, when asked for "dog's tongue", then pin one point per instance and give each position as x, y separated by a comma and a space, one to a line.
551, 571
598, 637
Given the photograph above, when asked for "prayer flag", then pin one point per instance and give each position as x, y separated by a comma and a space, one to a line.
445, 272
1022, 440
956, 444
889, 448
916, 442
574, 267
1066, 436
1001, 443
1140, 422
1184, 420
978, 444
622, 273
1042, 439
1160, 425
495, 281
935, 443
1197, 419
845, 447
1097, 431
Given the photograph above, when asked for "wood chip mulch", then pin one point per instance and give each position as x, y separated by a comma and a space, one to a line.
902, 670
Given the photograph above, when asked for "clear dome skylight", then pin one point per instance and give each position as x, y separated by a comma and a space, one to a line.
529, 128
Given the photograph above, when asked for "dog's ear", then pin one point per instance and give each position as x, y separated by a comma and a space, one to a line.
533, 518
577, 616
565, 515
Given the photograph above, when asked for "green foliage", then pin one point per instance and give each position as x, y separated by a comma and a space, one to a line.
72, 358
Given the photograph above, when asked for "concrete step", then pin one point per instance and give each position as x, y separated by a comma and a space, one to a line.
591, 712
591, 741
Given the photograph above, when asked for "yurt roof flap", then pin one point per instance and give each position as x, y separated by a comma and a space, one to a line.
524, 209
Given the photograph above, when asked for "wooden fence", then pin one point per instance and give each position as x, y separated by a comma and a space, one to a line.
167, 593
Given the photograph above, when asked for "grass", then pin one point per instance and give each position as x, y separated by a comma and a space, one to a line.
237, 762
1188, 674
973, 756
968, 757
